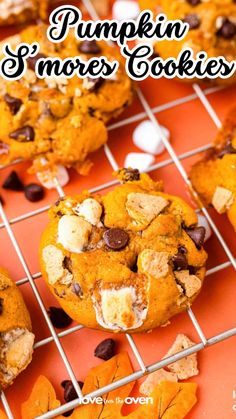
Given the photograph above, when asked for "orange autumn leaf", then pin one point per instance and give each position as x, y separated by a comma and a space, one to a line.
41, 400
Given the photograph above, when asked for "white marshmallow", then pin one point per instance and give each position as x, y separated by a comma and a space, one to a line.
140, 161
73, 233
202, 222
46, 177
125, 9
90, 210
146, 137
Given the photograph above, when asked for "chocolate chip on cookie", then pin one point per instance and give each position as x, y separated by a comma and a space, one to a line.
197, 234
194, 2
193, 20
13, 103
94, 84
227, 30
1, 305
180, 260
227, 149
13, 182
105, 350
115, 238
89, 47
23, 134
33, 60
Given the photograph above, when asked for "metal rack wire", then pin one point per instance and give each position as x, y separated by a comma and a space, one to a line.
30, 278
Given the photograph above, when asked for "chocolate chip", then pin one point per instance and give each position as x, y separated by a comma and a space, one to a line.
95, 83
59, 318
4, 148
129, 174
228, 149
57, 203
193, 20
70, 393
115, 238
13, 103
197, 234
13, 182
76, 289
180, 260
193, 269
89, 47
34, 192
105, 350
23, 134
33, 60
1, 305
194, 2
227, 30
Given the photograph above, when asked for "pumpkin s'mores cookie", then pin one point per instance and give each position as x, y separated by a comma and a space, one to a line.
214, 177
59, 121
126, 261
16, 338
14, 12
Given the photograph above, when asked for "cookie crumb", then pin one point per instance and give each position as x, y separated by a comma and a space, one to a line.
222, 199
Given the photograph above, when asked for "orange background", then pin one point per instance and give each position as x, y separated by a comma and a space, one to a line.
190, 127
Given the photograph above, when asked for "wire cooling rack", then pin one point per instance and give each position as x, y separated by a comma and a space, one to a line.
175, 159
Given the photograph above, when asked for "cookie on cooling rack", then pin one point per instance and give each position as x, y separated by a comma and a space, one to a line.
15, 12
212, 28
59, 121
16, 338
214, 177
126, 261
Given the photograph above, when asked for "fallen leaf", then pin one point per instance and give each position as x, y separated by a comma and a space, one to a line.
175, 400
41, 400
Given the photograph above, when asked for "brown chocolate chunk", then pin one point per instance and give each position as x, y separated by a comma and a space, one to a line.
4, 148
23, 134
193, 20
33, 60
197, 234
70, 393
1, 305
105, 350
76, 289
194, 2
95, 83
90, 47
115, 238
13, 182
59, 318
34, 192
180, 260
227, 30
13, 103
129, 174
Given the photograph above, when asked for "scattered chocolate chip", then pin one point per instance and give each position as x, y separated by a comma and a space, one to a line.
59, 318
89, 47
34, 192
95, 83
70, 393
13, 182
197, 234
105, 350
227, 30
193, 269
76, 289
33, 60
115, 238
180, 260
194, 2
4, 148
228, 149
13, 103
129, 174
23, 134
1, 305
193, 20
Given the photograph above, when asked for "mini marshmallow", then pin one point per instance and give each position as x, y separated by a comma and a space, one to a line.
125, 9
202, 222
73, 233
146, 137
140, 161
90, 210
46, 177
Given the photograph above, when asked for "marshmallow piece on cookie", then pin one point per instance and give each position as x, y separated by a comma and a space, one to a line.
186, 367
222, 199
90, 210
154, 263
46, 178
54, 265
19, 349
202, 222
147, 138
73, 233
125, 9
143, 208
140, 161
190, 283
156, 378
